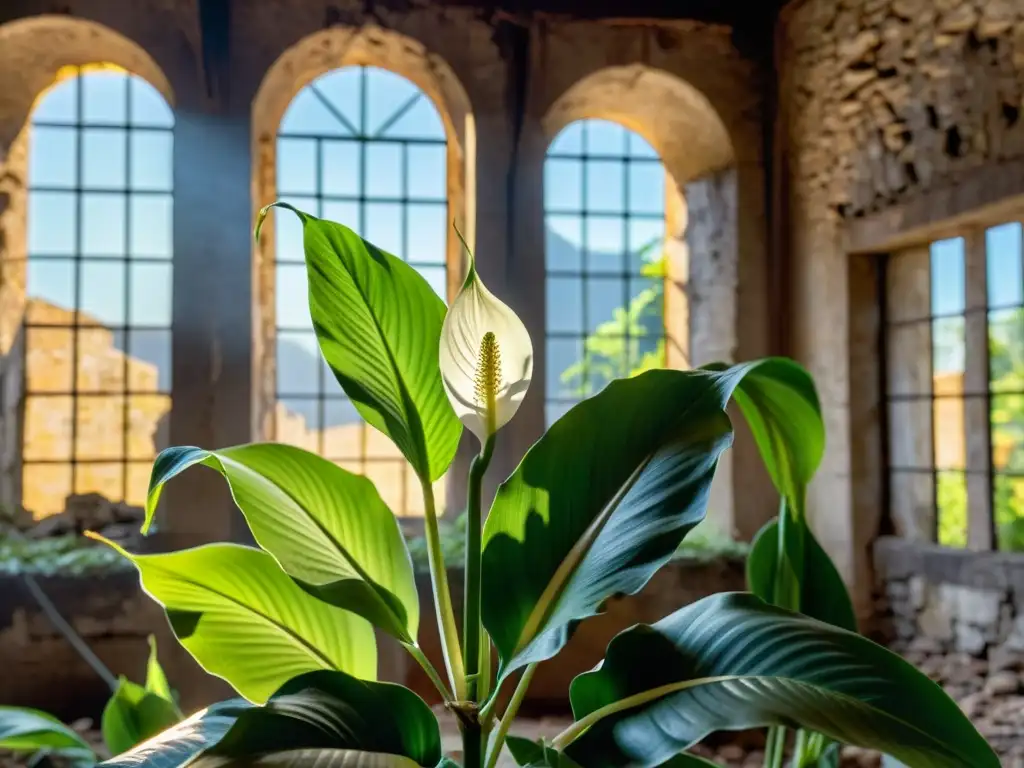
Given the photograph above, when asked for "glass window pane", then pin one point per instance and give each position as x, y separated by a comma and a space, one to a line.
948, 348
52, 281
53, 158
603, 137
148, 107
101, 292
296, 166
342, 212
1003, 254
101, 361
45, 487
427, 171
103, 224
950, 435
564, 243
105, 478
1006, 350
152, 160
341, 170
47, 427
605, 190
147, 425
49, 359
343, 429
606, 244
383, 170
105, 97
947, 257
565, 304
59, 104
569, 141
151, 226
149, 369
384, 223
1007, 414
1008, 506
563, 185
428, 233
603, 297
295, 423
104, 158
150, 294
565, 370
951, 501
298, 362
437, 278
292, 297
52, 223
646, 188
389, 478
137, 479
421, 121
99, 427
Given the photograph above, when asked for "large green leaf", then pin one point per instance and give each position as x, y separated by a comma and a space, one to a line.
328, 528
156, 679
538, 754
598, 505
29, 730
379, 326
823, 595
314, 758
732, 662
133, 714
780, 403
334, 711
173, 747
245, 620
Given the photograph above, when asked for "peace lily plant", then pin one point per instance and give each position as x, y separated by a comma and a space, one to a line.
595, 508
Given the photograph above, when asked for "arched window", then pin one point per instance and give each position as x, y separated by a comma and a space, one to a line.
97, 336
604, 201
364, 147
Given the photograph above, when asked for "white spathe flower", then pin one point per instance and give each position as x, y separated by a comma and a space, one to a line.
486, 358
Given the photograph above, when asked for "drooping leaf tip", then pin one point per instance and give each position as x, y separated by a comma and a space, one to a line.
104, 540
262, 215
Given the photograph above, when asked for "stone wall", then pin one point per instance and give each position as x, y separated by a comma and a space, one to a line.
894, 115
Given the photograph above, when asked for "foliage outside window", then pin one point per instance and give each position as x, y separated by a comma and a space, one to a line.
926, 386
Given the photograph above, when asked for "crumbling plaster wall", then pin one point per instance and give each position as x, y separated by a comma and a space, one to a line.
898, 115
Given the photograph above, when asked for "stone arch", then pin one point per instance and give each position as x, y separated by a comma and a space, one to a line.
36, 53
315, 55
701, 291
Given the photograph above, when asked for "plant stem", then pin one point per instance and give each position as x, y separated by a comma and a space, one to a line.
417, 653
510, 714
471, 593
446, 625
801, 747
472, 733
775, 748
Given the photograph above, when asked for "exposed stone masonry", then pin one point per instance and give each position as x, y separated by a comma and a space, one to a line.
891, 96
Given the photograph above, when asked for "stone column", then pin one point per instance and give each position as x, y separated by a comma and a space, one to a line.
212, 315
977, 430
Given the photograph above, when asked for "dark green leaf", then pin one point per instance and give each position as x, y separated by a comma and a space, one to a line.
378, 322
732, 662
156, 680
133, 714
176, 745
598, 505
333, 711
28, 730
329, 529
685, 760
315, 758
245, 620
823, 595
780, 403
537, 754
